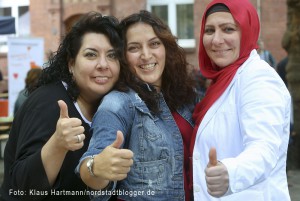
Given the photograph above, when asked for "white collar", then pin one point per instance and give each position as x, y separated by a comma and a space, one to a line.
77, 107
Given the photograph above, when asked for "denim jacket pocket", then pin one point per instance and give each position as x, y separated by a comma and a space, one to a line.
150, 175
147, 125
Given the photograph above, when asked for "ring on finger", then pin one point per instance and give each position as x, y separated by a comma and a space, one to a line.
78, 138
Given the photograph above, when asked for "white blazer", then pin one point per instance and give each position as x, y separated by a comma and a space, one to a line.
249, 126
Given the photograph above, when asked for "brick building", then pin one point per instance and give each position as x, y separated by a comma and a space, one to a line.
50, 19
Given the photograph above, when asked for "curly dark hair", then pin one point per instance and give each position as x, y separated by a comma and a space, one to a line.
177, 84
57, 67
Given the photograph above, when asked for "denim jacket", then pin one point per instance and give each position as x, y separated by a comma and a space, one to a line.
157, 171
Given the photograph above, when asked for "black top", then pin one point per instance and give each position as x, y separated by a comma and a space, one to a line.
34, 123
281, 69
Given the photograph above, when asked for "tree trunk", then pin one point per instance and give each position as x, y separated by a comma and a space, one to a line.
291, 43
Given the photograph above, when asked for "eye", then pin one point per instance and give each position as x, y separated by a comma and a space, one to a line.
229, 29
90, 54
132, 48
209, 30
112, 55
155, 44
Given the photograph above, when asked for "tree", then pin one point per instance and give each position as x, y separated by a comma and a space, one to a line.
291, 43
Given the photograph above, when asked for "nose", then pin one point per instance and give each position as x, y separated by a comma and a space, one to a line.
146, 53
102, 63
217, 38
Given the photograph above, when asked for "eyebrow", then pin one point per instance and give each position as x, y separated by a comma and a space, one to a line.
134, 42
89, 48
224, 24
154, 38
95, 50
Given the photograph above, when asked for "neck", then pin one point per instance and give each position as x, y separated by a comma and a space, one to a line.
88, 108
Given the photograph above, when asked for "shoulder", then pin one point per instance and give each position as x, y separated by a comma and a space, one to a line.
120, 95
256, 66
116, 96
50, 91
258, 71
116, 99
45, 98
259, 76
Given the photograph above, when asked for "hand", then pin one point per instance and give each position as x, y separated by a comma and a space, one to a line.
69, 132
216, 176
113, 163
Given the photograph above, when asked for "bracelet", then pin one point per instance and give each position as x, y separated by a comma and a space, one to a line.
90, 164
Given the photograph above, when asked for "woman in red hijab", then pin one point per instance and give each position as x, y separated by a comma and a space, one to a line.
239, 144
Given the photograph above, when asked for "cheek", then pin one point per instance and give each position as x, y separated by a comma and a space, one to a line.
117, 72
131, 59
82, 72
205, 42
163, 57
238, 49
236, 42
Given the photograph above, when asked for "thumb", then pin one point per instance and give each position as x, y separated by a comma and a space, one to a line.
118, 141
63, 109
212, 157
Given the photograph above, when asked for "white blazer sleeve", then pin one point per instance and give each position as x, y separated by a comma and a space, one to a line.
264, 116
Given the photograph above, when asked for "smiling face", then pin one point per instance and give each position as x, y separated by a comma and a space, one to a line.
145, 53
96, 68
222, 38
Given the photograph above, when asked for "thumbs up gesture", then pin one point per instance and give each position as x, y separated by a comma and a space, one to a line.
119, 140
212, 158
69, 132
113, 163
216, 175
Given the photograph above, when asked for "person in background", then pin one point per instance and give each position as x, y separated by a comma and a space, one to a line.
48, 55
201, 83
30, 80
281, 69
266, 54
1, 76
242, 124
50, 132
140, 136
3, 84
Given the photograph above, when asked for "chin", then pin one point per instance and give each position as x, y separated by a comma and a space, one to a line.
222, 64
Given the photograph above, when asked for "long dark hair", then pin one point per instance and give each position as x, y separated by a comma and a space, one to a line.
177, 85
58, 70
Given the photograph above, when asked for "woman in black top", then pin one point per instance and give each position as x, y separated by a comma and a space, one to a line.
50, 131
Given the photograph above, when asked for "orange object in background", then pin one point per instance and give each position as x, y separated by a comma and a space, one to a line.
3, 107
33, 65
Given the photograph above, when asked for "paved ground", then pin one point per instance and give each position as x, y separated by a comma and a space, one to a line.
293, 179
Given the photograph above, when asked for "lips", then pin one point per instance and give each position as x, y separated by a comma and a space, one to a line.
220, 51
101, 79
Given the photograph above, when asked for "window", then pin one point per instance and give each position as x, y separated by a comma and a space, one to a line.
24, 21
20, 10
5, 11
179, 15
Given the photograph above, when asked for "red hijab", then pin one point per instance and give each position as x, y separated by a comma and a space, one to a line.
246, 17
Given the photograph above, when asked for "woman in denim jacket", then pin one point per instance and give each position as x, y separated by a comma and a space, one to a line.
141, 135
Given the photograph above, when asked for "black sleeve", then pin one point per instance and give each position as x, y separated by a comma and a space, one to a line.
33, 125
36, 128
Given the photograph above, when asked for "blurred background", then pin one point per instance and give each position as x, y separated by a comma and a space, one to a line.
50, 20
31, 30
